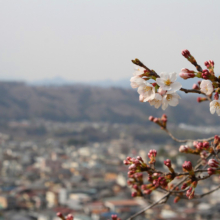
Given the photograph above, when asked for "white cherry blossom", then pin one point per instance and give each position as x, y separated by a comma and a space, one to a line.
136, 81
170, 99
215, 107
147, 91
138, 71
157, 101
206, 87
167, 82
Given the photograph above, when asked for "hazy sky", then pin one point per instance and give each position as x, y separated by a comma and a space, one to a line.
85, 40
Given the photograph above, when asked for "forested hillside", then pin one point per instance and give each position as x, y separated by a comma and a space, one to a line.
84, 103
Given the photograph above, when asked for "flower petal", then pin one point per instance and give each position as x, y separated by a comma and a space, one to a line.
175, 86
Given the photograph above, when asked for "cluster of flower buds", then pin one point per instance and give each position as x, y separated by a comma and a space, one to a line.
152, 156
210, 66
68, 217
162, 122
115, 217
168, 163
186, 73
191, 190
136, 165
200, 148
205, 74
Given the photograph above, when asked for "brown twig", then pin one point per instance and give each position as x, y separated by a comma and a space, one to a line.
186, 140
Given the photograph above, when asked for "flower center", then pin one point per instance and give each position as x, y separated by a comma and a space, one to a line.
147, 88
169, 97
167, 82
217, 105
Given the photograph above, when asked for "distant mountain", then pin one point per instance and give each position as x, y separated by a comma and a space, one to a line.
54, 81
121, 83
87, 103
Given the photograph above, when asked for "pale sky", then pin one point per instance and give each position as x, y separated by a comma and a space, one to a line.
85, 40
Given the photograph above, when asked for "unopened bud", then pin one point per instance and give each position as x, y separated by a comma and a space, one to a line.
187, 165
213, 163
155, 120
186, 74
114, 217
211, 171
151, 118
195, 86
167, 163
185, 53
134, 194
216, 96
183, 148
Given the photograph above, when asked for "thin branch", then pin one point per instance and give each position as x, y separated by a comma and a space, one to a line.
186, 140
205, 194
150, 206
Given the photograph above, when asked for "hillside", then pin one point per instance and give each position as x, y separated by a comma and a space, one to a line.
84, 103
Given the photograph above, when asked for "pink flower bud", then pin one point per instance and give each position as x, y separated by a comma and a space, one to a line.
154, 84
129, 182
135, 187
167, 163
187, 165
114, 217
176, 199
147, 191
132, 167
183, 148
140, 158
190, 193
206, 64
126, 162
152, 153
213, 163
184, 186
164, 116
211, 63
206, 145
211, 171
155, 120
199, 82
199, 146
150, 179
69, 217
205, 74
195, 86
60, 215
216, 139
151, 118
134, 194
185, 53
186, 74
216, 96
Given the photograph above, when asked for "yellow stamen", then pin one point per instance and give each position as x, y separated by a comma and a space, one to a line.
167, 82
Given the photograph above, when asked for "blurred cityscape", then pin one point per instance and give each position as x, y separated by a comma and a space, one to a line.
62, 150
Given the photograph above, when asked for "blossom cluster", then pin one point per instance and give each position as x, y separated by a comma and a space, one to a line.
160, 93
161, 90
